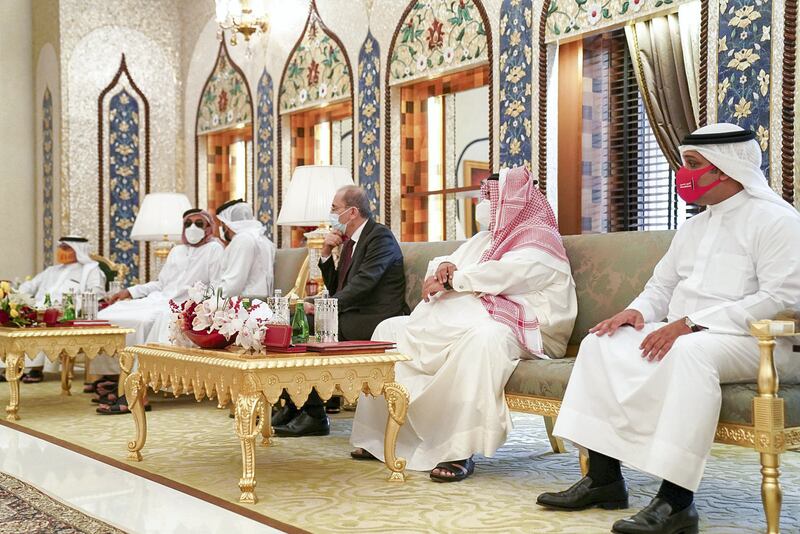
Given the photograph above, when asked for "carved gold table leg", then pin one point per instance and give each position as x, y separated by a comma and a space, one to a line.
134, 393
266, 425
66, 374
15, 364
249, 406
125, 366
397, 400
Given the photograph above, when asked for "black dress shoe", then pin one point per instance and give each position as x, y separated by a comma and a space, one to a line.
304, 425
581, 496
283, 414
658, 518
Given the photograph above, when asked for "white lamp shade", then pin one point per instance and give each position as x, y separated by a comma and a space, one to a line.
311, 191
161, 214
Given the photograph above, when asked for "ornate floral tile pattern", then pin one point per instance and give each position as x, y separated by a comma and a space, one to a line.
516, 34
225, 101
438, 36
124, 180
369, 111
47, 176
567, 18
744, 49
317, 71
264, 155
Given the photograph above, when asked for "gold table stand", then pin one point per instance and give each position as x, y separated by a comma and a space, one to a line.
56, 343
254, 383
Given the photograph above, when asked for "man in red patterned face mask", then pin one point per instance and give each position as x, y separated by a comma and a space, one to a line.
645, 389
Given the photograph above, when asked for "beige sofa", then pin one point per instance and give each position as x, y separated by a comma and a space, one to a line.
609, 271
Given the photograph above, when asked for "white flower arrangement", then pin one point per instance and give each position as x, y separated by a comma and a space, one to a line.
206, 310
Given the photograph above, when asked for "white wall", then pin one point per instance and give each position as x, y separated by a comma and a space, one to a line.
17, 178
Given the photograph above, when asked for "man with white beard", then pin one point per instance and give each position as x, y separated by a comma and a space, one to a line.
249, 259
74, 271
196, 259
505, 294
646, 392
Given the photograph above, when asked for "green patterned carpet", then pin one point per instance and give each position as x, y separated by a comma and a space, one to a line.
312, 483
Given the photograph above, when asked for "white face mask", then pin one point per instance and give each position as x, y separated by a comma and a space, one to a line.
483, 214
194, 234
336, 224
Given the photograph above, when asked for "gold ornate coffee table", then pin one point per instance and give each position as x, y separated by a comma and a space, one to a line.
253, 383
55, 343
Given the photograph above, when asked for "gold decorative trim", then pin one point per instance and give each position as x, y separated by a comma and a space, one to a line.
791, 437
535, 405
731, 434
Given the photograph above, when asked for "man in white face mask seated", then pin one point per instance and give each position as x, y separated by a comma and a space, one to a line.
196, 259
646, 392
74, 271
249, 259
505, 294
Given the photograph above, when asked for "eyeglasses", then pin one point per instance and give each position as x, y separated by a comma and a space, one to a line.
200, 223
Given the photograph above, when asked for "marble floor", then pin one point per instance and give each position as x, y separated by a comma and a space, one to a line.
120, 498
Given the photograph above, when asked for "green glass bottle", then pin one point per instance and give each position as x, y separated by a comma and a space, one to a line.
47, 302
69, 308
299, 324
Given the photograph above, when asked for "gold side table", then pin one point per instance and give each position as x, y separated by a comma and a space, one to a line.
253, 383
55, 343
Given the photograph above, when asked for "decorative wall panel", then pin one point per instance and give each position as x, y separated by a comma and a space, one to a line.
264, 156
124, 176
124, 171
225, 101
47, 176
516, 33
369, 127
438, 36
744, 49
317, 71
569, 18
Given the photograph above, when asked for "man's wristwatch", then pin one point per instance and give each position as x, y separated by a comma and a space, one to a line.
447, 285
692, 326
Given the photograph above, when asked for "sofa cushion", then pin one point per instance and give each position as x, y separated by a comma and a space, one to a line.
610, 270
549, 378
287, 266
415, 263
541, 378
737, 404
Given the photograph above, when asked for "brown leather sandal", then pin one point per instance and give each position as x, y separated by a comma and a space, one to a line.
362, 454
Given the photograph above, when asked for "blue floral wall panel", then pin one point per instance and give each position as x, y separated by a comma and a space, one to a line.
744, 49
264, 156
47, 177
124, 173
516, 103
369, 112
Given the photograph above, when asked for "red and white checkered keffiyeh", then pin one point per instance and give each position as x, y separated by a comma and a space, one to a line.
521, 218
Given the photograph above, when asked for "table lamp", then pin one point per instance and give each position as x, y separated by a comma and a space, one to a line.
307, 202
160, 219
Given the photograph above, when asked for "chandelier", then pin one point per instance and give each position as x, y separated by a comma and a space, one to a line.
247, 17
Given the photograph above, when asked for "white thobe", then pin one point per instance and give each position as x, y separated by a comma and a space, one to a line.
184, 267
60, 279
247, 265
56, 281
734, 263
462, 358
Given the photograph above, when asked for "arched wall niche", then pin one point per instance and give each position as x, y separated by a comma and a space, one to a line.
317, 55
225, 102
442, 38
